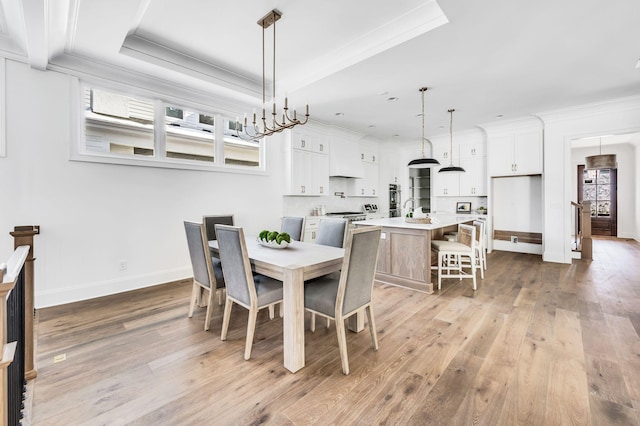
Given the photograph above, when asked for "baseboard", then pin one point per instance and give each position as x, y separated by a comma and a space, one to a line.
61, 296
629, 235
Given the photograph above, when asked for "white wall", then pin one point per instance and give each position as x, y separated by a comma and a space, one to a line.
561, 127
94, 215
627, 184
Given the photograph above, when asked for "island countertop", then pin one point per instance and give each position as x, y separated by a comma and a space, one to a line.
438, 221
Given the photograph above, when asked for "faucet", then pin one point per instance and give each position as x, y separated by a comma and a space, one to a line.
412, 199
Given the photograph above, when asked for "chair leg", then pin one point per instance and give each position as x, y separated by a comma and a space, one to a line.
281, 309
194, 297
473, 270
207, 317
313, 322
272, 311
220, 292
251, 328
342, 344
372, 327
328, 322
225, 318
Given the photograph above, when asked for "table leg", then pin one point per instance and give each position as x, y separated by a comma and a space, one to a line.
293, 333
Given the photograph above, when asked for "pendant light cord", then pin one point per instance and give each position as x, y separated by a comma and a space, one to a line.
422, 140
451, 135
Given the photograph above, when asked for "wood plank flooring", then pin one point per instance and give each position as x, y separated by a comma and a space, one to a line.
536, 344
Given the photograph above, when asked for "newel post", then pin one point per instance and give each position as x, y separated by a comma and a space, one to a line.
23, 236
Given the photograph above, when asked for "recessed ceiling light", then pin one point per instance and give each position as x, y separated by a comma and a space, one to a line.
392, 99
442, 127
499, 116
419, 115
395, 135
371, 126
339, 113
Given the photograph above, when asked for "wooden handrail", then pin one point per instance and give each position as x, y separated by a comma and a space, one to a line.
23, 235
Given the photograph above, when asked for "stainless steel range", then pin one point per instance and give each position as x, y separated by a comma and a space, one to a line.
350, 216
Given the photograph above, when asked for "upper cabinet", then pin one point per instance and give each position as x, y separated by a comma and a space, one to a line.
308, 154
469, 152
368, 185
515, 150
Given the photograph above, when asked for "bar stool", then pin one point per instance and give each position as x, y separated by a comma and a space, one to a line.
454, 256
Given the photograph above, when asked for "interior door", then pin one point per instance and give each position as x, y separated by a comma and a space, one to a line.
601, 188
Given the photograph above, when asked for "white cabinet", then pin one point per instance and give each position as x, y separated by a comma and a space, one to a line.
308, 164
368, 185
471, 156
310, 229
474, 181
446, 184
309, 141
518, 153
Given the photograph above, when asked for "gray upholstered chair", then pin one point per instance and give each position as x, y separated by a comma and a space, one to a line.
210, 222
332, 232
252, 292
294, 226
205, 275
340, 297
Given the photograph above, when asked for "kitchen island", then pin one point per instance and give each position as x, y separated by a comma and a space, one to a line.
404, 254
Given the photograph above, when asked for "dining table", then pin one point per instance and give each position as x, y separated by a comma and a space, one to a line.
294, 265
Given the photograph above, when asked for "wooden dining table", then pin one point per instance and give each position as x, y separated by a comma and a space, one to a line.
293, 266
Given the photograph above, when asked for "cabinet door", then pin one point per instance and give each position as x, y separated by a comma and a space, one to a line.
447, 184
442, 153
500, 160
371, 175
528, 153
302, 141
345, 158
320, 174
300, 173
368, 153
473, 181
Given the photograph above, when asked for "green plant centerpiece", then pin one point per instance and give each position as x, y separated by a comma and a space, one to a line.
274, 239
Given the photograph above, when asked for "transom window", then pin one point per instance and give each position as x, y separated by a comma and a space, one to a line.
123, 126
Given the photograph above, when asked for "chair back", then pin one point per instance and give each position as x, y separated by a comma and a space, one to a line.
467, 235
293, 226
199, 253
358, 269
331, 232
210, 222
235, 264
479, 224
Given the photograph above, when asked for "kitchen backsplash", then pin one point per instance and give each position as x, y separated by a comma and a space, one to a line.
448, 204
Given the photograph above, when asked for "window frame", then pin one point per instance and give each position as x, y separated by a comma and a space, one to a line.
159, 159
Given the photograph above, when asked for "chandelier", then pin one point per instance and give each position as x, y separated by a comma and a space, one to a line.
451, 168
288, 120
422, 162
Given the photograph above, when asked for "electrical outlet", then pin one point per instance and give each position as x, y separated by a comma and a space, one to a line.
59, 358
514, 239
123, 265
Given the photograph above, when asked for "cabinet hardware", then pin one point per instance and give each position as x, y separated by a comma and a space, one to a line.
302, 143
361, 156
321, 147
373, 157
322, 189
302, 189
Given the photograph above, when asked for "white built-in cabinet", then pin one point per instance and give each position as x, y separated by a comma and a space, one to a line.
518, 152
368, 185
310, 229
471, 155
308, 163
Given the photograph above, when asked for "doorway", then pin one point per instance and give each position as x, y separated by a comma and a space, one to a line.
601, 188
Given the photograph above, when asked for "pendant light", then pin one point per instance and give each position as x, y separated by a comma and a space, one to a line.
451, 168
423, 163
601, 161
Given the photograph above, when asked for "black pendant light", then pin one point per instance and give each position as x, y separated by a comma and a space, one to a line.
601, 161
451, 168
423, 163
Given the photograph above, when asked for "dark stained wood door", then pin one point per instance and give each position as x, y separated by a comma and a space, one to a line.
601, 188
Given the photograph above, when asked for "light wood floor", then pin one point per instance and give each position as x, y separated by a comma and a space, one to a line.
537, 343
